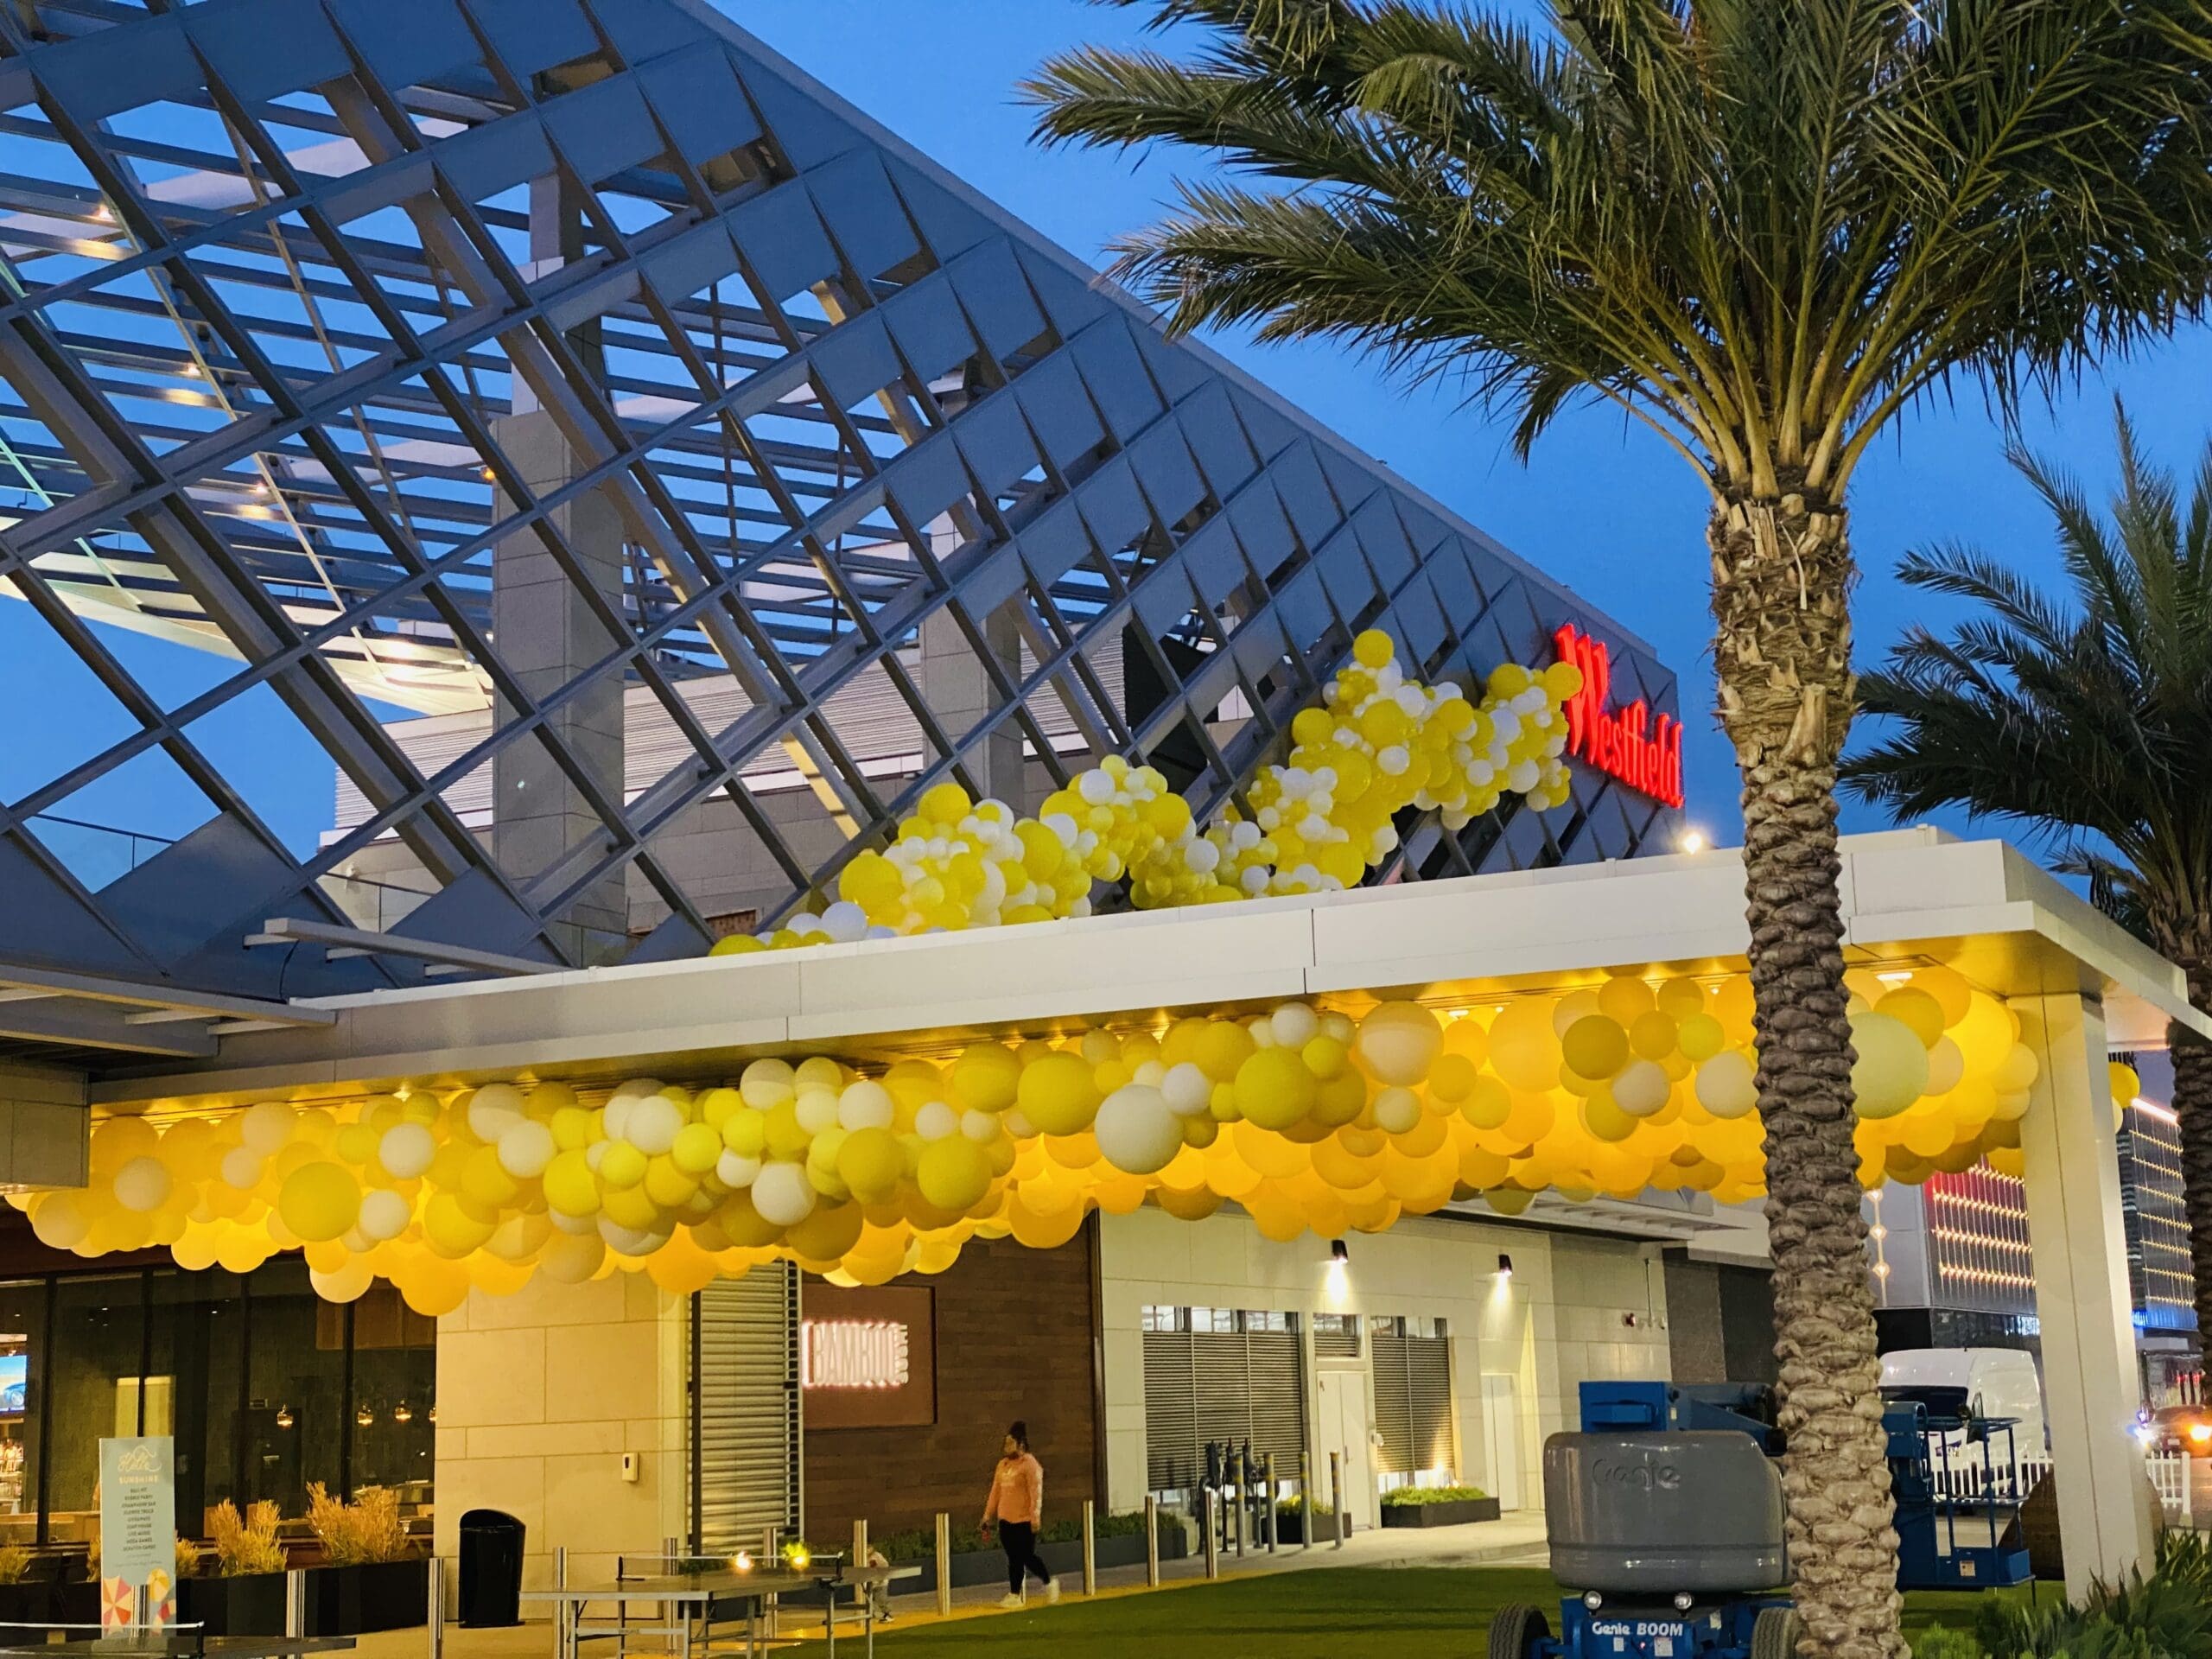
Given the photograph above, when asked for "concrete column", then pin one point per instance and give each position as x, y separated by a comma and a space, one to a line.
960, 692
2090, 1389
46, 1128
543, 631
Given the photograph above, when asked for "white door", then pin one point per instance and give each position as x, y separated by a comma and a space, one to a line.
1347, 1424
1501, 1437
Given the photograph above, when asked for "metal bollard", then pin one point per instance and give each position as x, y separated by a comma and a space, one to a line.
1336, 1495
1210, 1530
1272, 1516
295, 1601
434, 1608
943, 1562
1151, 1541
1090, 1550
1236, 1502
1305, 1517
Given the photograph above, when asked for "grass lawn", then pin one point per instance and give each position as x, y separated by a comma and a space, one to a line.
1324, 1613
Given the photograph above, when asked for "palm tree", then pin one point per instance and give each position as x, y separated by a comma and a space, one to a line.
2085, 718
1762, 227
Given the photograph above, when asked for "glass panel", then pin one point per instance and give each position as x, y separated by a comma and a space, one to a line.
295, 1364
395, 1382
197, 1336
22, 1379
99, 1327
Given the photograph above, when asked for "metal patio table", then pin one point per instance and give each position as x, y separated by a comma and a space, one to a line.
704, 1596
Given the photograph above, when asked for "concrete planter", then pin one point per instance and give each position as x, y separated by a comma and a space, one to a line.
1440, 1515
341, 1600
44, 1602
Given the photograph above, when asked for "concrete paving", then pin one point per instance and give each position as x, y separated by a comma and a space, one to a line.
1513, 1539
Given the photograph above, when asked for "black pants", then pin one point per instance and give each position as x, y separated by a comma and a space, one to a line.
1020, 1538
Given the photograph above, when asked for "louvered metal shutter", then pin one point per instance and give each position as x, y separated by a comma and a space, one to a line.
1171, 1435
744, 1408
1428, 1375
1413, 1403
1226, 1386
1393, 1406
1278, 1396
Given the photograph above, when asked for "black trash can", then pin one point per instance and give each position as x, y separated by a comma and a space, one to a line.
491, 1569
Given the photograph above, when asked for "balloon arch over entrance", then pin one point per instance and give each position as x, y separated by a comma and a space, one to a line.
1329, 1062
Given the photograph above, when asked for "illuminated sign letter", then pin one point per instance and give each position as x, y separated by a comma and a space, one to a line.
1630, 744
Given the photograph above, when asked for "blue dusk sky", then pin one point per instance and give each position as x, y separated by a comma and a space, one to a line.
1602, 506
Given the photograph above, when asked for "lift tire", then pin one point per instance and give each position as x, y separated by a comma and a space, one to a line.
1776, 1633
1519, 1631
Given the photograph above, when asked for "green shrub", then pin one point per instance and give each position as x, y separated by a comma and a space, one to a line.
1297, 1506
1941, 1643
2166, 1616
1404, 1497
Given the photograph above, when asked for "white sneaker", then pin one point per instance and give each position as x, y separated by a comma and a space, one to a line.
1011, 1602
1052, 1591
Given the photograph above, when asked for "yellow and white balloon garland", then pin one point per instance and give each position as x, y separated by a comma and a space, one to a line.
1379, 743
1310, 1118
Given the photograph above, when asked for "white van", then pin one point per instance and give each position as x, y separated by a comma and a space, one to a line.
1998, 1382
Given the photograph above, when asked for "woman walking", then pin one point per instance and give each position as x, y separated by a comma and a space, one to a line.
1017, 1505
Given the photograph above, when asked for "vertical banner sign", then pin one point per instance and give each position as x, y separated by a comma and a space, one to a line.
137, 1529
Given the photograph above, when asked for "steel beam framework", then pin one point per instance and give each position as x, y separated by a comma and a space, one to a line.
274, 277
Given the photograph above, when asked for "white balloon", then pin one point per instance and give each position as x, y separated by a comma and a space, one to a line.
267, 1127
1396, 1111
766, 1083
495, 1108
1295, 1024
652, 1124
615, 1116
782, 1194
405, 1150
241, 1168
866, 1105
845, 921
936, 1120
981, 1127
143, 1184
573, 1223
1187, 1090
517, 1238
735, 1170
628, 1241
1727, 1086
525, 1149
349, 1283
817, 1110
637, 1088
1641, 1088
384, 1215
1136, 1131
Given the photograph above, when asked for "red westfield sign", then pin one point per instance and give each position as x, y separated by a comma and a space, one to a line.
1641, 750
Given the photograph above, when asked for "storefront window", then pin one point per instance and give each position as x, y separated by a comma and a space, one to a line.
395, 1379
23, 1355
294, 1421
263, 1386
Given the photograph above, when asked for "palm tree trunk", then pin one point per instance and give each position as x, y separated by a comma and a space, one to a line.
1782, 572
2192, 1060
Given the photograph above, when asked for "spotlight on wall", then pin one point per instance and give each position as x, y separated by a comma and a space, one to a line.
283, 1416
1339, 1251
1690, 841
1504, 1265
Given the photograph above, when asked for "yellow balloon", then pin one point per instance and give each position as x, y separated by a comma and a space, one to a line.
320, 1201
1595, 1045
870, 1163
1273, 1088
953, 1173
1891, 1072
1056, 1094
1523, 1048
986, 1077
1625, 1000
1913, 1006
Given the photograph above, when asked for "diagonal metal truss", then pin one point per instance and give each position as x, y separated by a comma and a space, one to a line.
568, 395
